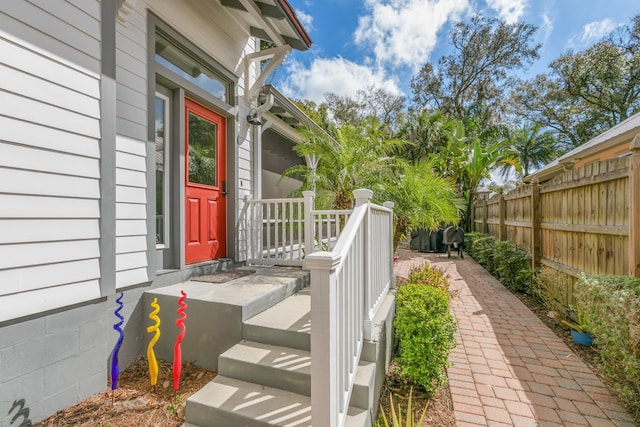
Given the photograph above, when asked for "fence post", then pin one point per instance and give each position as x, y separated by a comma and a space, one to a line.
309, 226
634, 208
502, 210
485, 216
472, 215
535, 223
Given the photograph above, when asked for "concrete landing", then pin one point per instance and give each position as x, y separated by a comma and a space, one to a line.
215, 311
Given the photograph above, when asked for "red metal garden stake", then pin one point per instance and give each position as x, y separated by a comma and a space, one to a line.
177, 350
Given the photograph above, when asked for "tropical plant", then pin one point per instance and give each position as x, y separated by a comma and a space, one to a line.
396, 419
422, 198
577, 319
468, 161
425, 133
531, 147
351, 157
361, 157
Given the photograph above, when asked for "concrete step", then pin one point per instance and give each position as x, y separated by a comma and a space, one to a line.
228, 402
288, 369
287, 323
215, 311
274, 366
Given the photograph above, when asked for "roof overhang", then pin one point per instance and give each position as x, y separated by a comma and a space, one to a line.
271, 20
609, 144
290, 117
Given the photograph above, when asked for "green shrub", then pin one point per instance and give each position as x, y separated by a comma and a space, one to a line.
427, 275
612, 304
425, 330
548, 287
483, 251
512, 266
469, 238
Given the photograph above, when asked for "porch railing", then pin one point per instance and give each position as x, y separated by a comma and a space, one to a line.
280, 235
347, 285
350, 258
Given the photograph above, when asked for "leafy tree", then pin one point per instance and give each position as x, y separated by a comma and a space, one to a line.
543, 100
588, 92
486, 52
318, 113
368, 103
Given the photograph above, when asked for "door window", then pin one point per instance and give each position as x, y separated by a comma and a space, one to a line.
202, 151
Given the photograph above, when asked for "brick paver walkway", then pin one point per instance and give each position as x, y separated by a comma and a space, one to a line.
509, 368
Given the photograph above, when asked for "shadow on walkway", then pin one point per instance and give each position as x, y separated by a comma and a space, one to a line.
509, 368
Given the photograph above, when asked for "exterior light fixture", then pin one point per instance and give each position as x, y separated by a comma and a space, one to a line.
253, 117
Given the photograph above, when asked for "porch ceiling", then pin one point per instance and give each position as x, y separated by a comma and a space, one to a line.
271, 20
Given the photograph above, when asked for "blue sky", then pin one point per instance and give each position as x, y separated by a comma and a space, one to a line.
383, 43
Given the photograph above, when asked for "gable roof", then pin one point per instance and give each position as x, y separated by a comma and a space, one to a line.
611, 143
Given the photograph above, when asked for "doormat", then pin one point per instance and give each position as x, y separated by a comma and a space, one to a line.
223, 276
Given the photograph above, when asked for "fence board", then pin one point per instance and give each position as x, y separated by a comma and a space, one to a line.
584, 220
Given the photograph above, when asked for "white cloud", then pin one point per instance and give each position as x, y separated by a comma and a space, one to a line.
546, 28
404, 32
592, 32
596, 30
305, 19
509, 10
336, 75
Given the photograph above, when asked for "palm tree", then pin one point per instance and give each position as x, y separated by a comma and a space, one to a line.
361, 157
532, 147
468, 161
352, 157
425, 134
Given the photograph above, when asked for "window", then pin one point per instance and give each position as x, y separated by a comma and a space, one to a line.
162, 136
180, 61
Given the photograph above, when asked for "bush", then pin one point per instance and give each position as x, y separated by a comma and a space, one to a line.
612, 304
483, 251
512, 266
427, 275
424, 328
469, 238
548, 287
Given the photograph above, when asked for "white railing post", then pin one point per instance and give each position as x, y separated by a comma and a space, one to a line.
309, 225
324, 339
362, 196
391, 205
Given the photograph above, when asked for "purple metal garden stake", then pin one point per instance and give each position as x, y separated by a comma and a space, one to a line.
115, 368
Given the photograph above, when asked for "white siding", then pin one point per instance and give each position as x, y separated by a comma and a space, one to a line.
49, 156
131, 128
131, 205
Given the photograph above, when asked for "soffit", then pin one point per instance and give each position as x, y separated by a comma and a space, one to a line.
271, 20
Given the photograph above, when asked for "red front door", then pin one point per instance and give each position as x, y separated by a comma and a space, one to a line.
205, 183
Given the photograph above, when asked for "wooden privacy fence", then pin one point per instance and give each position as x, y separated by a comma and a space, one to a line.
584, 220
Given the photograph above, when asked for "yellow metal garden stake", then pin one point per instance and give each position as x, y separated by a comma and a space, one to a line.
151, 356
